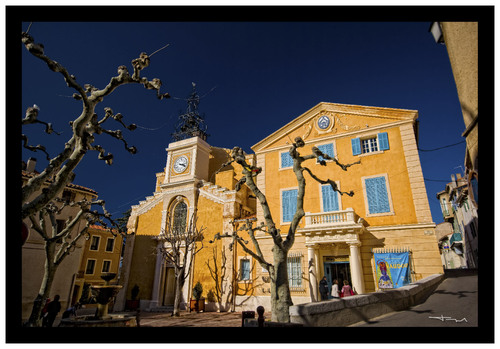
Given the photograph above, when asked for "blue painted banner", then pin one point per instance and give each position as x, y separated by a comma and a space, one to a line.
392, 269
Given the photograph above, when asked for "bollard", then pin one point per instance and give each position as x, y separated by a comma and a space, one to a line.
246, 315
260, 311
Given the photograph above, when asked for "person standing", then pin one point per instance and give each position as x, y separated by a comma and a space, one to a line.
53, 308
335, 289
346, 290
323, 289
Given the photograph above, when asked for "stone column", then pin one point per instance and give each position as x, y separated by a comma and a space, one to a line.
356, 268
313, 281
156, 284
188, 284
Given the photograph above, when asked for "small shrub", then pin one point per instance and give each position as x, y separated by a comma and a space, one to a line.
197, 291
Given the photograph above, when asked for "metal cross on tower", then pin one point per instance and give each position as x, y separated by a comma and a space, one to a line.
191, 124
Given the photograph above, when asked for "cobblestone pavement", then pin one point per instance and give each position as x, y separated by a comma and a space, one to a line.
204, 319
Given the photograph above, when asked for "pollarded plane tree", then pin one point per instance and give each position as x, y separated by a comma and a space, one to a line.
39, 194
280, 291
178, 244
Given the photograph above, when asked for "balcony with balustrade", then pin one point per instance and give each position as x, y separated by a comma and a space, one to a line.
332, 222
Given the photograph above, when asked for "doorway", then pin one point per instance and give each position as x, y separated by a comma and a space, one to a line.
168, 289
337, 270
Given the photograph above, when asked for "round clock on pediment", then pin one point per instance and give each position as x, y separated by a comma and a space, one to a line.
323, 122
181, 164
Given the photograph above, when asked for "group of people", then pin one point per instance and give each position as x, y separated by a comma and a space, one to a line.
52, 308
345, 291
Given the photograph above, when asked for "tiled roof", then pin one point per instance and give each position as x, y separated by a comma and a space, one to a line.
100, 227
70, 185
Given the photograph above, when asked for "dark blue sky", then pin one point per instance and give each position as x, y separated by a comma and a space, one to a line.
254, 78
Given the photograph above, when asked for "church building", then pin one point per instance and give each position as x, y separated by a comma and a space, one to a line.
339, 235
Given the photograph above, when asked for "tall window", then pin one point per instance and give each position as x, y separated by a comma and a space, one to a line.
444, 206
244, 269
288, 204
294, 264
110, 244
180, 217
330, 198
377, 195
94, 245
90, 266
106, 266
326, 149
286, 159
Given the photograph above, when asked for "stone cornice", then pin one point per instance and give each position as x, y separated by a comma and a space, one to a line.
365, 111
331, 136
402, 227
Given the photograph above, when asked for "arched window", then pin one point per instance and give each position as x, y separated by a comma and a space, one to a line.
180, 217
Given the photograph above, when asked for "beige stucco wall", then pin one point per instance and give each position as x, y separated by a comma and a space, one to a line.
461, 39
33, 261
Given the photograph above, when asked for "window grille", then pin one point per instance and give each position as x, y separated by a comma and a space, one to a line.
369, 145
294, 264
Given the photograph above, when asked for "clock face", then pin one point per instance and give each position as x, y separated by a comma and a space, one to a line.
323, 122
181, 164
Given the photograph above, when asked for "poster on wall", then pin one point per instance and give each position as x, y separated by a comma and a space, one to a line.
392, 269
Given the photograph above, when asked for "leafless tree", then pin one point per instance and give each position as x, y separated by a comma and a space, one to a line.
178, 245
280, 290
40, 193
219, 275
84, 128
59, 243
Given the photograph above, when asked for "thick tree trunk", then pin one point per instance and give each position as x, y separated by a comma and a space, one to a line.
50, 270
280, 289
179, 283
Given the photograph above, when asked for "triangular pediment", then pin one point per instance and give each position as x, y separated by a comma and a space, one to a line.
331, 119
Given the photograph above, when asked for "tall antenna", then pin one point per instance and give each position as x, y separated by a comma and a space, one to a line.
191, 124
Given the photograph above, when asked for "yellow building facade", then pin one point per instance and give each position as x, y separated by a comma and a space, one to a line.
339, 233
101, 254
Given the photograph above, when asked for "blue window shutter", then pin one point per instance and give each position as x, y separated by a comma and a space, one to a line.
356, 146
289, 204
376, 192
383, 141
286, 160
330, 199
326, 149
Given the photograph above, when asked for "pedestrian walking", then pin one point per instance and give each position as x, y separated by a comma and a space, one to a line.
323, 289
53, 308
346, 290
335, 289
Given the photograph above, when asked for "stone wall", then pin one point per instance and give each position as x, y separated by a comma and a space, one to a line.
350, 310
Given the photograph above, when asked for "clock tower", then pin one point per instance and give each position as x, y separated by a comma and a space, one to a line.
188, 155
187, 160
